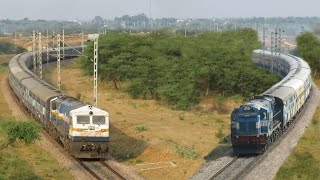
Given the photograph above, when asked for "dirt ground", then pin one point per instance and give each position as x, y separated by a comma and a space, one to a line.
159, 142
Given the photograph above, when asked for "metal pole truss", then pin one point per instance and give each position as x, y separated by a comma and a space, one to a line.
40, 54
34, 51
95, 72
58, 61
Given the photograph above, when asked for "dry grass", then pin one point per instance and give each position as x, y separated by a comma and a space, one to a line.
192, 131
4, 109
26, 42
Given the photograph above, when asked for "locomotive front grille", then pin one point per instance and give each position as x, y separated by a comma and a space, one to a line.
247, 128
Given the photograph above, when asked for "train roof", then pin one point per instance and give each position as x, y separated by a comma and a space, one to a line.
281, 92
71, 102
299, 72
86, 109
42, 90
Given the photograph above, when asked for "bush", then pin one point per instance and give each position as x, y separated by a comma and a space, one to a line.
26, 131
141, 127
219, 134
8, 48
183, 151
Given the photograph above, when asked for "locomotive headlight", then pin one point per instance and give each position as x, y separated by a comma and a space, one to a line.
235, 125
258, 125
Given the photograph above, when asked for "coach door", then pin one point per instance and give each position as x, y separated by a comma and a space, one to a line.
53, 109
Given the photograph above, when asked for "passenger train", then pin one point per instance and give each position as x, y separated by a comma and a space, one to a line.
259, 122
82, 129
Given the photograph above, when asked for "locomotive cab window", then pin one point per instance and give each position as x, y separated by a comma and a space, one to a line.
54, 106
263, 116
83, 120
99, 120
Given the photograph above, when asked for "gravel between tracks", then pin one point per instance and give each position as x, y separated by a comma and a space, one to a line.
268, 168
212, 167
46, 143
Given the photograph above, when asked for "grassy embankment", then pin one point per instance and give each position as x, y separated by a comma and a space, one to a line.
304, 162
21, 161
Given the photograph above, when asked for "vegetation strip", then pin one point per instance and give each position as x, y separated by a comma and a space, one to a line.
178, 71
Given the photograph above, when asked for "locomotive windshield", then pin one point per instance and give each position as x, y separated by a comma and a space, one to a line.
83, 119
99, 120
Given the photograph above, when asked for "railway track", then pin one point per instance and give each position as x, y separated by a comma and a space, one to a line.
98, 169
223, 168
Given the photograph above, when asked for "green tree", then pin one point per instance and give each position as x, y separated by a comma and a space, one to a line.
25, 131
309, 49
178, 70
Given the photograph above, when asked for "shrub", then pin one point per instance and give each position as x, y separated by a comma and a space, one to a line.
184, 151
26, 131
141, 127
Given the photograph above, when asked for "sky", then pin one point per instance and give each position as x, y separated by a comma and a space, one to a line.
87, 9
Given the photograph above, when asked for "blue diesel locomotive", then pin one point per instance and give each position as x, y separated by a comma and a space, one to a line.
256, 124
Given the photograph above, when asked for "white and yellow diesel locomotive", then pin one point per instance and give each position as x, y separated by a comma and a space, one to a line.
83, 130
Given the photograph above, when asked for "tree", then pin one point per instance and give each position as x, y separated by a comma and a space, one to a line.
25, 131
177, 70
98, 20
309, 49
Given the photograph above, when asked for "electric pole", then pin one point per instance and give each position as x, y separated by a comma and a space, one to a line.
53, 36
47, 46
58, 60
272, 44
95, 71
40, 54
62, 44
82, 47
34, 51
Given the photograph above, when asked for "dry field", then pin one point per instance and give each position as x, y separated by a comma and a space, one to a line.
159, 142
26, 42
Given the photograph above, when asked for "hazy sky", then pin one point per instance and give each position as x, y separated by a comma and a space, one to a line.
87, 9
